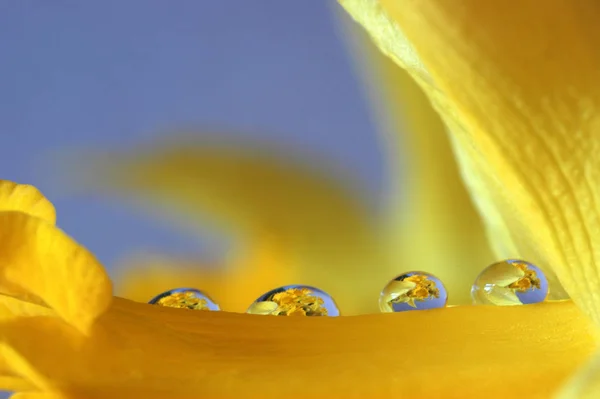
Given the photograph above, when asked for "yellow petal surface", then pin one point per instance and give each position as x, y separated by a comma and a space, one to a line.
524, 120
145, 350
234, 287
517, 86
27, 199
433, 225
318, 214
42, 264
140, 350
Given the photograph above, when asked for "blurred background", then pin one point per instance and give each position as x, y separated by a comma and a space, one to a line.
113, 74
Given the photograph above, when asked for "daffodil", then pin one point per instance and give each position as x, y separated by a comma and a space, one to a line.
64, 335
520, 107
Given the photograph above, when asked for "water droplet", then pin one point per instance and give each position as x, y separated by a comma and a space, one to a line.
413, 291
510, 282
185, 298
295, 300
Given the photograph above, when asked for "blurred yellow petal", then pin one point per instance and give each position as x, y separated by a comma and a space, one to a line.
318, 215
250, 274
147, 351
585, 384
27, 199
42, 264
433, 225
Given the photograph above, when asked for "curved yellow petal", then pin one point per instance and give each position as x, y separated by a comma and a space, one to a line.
523, 127
144, 350
42, 264
248, 275
433, 225
27, 199
320, 218
524, 120
516, 85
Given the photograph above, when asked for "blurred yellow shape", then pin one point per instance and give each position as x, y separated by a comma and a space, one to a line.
134, 349
326, 233
294, 219
251, 272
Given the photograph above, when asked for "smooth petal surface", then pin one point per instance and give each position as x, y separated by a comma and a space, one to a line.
433, 224
317, 213
144, 350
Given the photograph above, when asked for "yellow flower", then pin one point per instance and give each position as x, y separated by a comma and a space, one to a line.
525, 139
63, 335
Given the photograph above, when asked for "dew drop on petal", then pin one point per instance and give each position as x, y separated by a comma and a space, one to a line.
185, 298
510, 282
295, 300
413, 291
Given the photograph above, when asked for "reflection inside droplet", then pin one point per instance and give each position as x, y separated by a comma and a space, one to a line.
295, 300
185, 298
510, 282
413, 291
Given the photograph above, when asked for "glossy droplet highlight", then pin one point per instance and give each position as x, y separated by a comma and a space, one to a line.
413, 291
510, 282
185, 298
295, 300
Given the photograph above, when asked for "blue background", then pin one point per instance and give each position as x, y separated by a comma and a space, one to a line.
105, 74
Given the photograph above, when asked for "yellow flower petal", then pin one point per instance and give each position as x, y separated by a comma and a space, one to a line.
433, 224
516, 85
148, 351
585, 384
42, 264
321, 219
27, 199
144, 350
524, 120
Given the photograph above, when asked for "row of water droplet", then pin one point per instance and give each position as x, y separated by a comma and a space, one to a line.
506, 283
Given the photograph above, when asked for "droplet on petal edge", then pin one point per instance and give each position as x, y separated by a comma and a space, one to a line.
295, 300
185, 298
413, 291
508, 283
